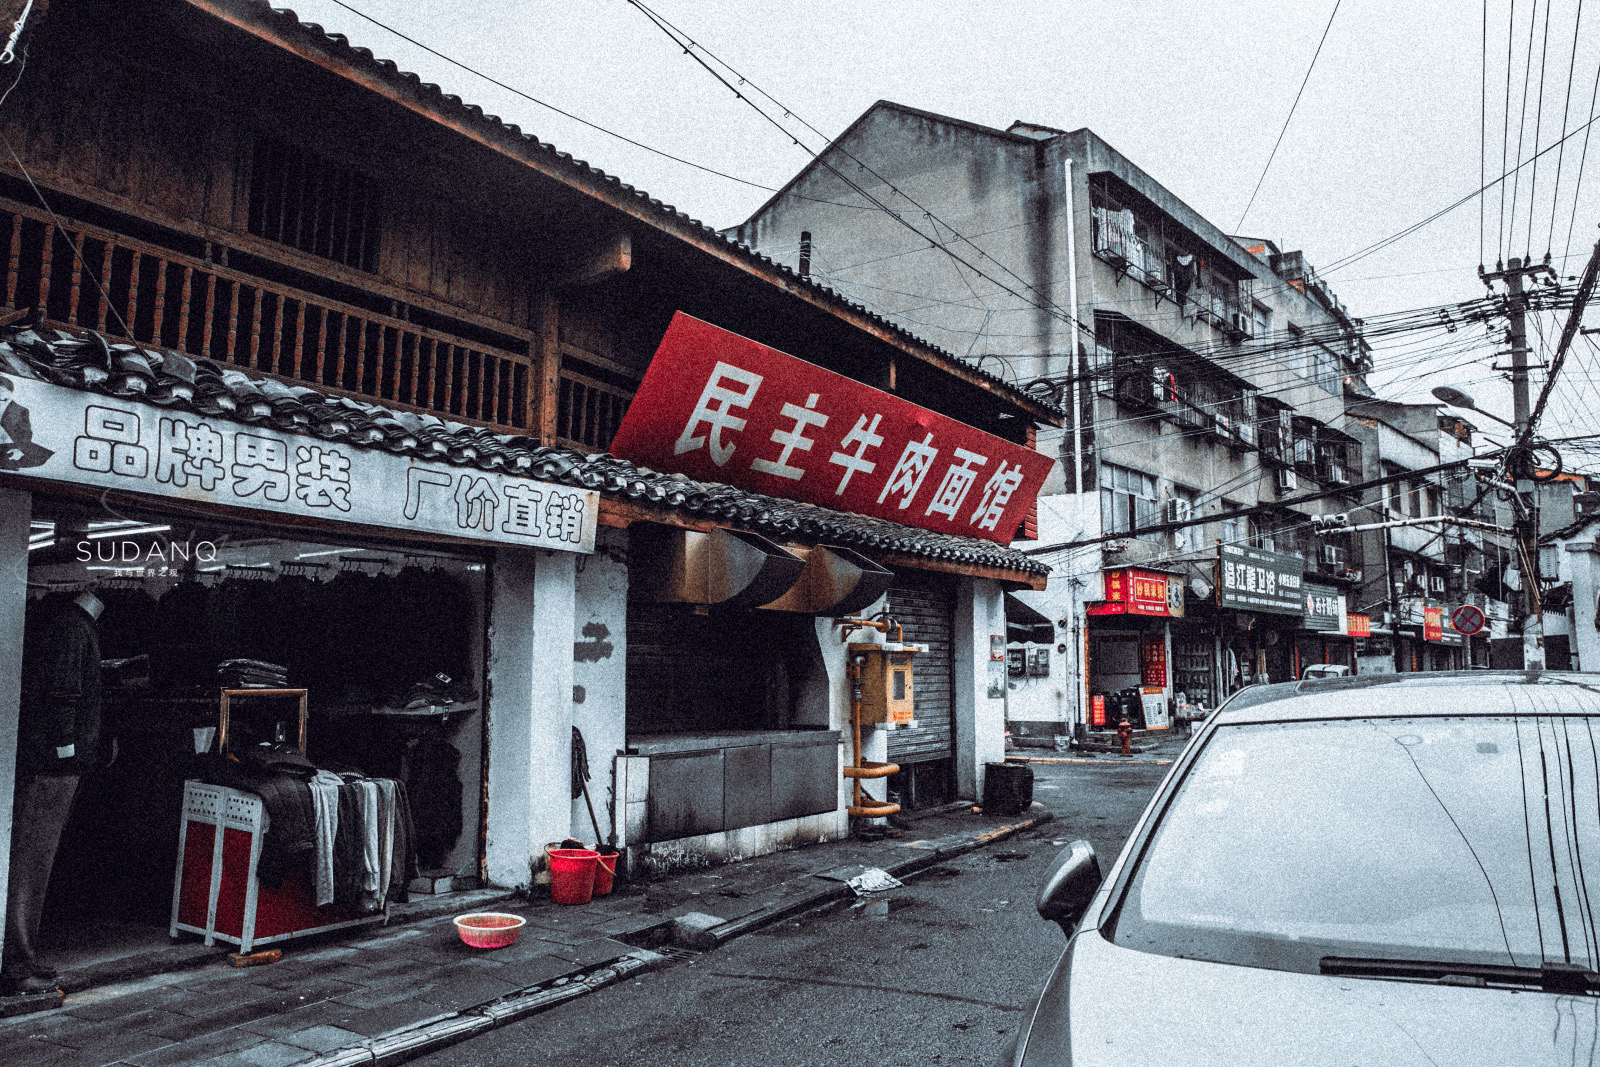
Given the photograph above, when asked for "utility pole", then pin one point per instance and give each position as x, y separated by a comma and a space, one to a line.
1521, 458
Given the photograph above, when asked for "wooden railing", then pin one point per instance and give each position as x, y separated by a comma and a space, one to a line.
590, 410
86, 277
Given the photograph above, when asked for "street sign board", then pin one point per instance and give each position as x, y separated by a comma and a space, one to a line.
1253, 579
723, 408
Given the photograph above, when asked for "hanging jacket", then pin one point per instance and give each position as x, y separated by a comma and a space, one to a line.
60, 690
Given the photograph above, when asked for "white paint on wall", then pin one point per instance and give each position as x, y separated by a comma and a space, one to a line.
529, 710
980, 719
731, 846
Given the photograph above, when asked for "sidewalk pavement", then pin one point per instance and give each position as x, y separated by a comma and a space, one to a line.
382, 997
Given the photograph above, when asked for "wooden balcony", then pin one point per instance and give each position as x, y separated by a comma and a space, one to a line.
85, 277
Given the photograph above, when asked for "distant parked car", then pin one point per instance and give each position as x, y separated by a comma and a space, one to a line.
1325, 670
1387, 869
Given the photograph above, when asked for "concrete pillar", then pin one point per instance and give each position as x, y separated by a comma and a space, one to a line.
980, 717
599, 678
1583, 558
531, 619
15, 511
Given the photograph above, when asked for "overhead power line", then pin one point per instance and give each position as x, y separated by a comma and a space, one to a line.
1382, 243
694, 50
1257, 509
1273, 154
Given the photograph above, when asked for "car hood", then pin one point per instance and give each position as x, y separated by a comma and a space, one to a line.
1131, 1007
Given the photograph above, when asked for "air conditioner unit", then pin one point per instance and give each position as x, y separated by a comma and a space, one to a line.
1337, 475
1288, 480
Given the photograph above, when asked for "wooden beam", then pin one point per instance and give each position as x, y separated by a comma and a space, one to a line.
606, 258
547, 368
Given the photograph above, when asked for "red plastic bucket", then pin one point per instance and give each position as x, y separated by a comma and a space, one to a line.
604, 871
571, 874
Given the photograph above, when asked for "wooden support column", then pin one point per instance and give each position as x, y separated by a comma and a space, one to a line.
547, 367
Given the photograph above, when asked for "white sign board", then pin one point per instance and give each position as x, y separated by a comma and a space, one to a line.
64, 435
1155, 710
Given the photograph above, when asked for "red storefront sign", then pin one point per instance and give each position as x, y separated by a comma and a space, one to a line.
1432, 624
1359, 625
1134, 592
723, 408
1097, 710
1153, 658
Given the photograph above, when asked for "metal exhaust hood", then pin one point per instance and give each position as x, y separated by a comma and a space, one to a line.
835, 581
727, 568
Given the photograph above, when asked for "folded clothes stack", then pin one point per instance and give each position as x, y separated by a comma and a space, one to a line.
438, 691
251, 674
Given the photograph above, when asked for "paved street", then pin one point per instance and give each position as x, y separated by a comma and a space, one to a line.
939, 976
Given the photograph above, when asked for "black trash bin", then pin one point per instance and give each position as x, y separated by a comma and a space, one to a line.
1007, 788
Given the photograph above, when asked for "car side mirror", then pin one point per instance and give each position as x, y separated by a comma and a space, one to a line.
1069, 885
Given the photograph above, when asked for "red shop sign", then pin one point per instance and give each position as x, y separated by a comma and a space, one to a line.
720, 407
1153, 654
1359, 625
1432, 624
1134, 592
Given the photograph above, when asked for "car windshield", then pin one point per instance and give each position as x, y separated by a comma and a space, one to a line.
1473, 839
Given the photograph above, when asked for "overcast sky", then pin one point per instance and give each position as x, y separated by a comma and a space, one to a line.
1386, 133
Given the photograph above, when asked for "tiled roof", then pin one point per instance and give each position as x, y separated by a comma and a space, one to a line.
90, 362
287, 25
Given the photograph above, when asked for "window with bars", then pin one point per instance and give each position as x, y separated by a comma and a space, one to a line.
1127, 499
304, 201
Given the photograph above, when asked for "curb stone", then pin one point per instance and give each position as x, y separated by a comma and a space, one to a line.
434, 1034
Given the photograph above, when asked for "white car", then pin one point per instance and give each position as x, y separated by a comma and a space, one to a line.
1389, 870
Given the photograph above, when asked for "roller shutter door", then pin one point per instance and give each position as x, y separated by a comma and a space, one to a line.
925, 606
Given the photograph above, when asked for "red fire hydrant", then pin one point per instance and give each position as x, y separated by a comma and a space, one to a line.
1125, 735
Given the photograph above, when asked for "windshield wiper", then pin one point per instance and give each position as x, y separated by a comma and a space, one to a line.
1551, 977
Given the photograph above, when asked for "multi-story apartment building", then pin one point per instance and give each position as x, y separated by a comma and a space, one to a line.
1207, 375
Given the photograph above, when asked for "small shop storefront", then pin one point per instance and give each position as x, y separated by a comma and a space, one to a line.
740, 732
1264, 593
1130, 641
269, 607
1324, 637
1426, 639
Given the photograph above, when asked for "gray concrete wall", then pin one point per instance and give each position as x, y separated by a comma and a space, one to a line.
16, 509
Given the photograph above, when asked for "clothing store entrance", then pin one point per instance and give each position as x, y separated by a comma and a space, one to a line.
383, 644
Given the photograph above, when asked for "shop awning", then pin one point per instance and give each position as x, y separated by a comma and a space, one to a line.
1027, 625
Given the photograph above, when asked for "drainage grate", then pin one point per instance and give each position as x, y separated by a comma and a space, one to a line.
674, 954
